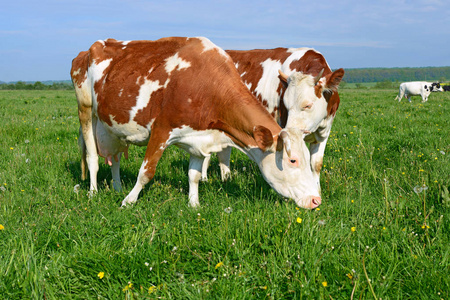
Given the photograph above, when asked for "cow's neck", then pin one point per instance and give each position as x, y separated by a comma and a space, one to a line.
238, 119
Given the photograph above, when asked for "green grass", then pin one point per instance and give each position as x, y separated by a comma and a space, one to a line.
372, 236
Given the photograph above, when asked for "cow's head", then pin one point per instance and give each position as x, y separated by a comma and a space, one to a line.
436, 87
306, 97
285, 164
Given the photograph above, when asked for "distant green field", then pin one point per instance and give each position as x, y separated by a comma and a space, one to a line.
382, 231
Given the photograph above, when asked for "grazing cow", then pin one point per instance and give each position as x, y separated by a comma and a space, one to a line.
415, 88
298, 88
184, 92
446, 88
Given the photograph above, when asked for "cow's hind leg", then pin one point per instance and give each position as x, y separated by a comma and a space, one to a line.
88, 123
83, 163
115, 172
399, 96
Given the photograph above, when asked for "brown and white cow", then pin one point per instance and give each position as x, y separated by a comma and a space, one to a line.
298, 88
184, 92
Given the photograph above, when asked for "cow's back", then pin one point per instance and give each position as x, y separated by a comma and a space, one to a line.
177, 81
414, 88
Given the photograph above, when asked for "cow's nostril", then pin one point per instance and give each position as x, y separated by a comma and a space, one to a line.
316, 201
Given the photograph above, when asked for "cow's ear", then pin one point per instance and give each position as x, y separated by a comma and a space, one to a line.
263, 137
334, 79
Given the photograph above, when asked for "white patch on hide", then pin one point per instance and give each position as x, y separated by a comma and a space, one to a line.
176, 62
144, 95
268, 84
208, 45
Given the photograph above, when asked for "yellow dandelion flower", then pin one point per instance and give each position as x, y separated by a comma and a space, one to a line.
128, 287
2, 227
353, 229
101, 275
152, 289
325, 284
350, 276
299, 220
317, 208
219, 265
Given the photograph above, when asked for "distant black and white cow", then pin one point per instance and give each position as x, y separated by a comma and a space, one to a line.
415, 88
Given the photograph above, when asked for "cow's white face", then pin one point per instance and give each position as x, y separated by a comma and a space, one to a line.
305, 109
291, 176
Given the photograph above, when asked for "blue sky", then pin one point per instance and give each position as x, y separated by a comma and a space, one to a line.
39, 39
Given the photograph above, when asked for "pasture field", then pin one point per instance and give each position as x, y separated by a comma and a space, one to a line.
382, 231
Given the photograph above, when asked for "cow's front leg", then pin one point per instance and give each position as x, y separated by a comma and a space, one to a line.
195, 173
155, 149
224, 163
205, 166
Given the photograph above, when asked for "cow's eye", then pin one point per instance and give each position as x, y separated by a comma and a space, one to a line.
308, 106
293, 161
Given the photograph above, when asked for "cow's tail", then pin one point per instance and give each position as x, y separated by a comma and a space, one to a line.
82, 146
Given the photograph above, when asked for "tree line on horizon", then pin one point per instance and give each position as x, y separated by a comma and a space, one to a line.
366, 75
37, 85
384, 77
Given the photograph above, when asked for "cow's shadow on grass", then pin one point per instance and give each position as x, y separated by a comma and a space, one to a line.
128, 176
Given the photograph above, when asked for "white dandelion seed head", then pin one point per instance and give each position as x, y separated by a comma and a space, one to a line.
2, 188
417, 189
27, 141
442, 152
321, 222
228, 210
76, 189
